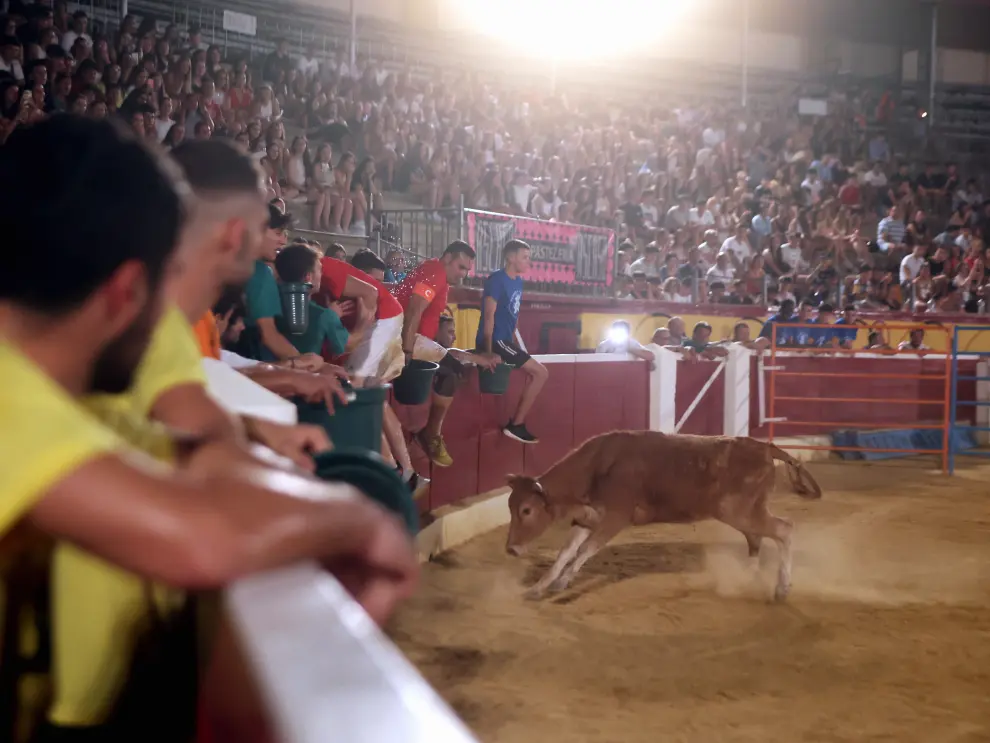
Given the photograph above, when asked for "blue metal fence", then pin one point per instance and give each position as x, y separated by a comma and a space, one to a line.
956, 428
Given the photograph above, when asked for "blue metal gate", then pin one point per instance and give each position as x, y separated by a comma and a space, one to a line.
955, 427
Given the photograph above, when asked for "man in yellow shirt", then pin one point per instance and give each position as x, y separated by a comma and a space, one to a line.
82, 329
220, 242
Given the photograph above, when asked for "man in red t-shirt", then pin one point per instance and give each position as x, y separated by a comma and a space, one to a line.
379, 351
423, 296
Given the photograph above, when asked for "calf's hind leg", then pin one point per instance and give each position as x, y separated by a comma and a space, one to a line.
753, 542
762, 523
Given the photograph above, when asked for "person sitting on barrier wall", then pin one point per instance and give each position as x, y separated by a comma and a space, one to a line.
382, 356
498, 333
423, 296
454, 365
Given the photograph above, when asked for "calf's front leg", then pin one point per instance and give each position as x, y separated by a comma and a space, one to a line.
577, 537
608, 527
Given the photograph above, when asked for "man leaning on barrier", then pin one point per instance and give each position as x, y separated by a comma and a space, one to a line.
179, 522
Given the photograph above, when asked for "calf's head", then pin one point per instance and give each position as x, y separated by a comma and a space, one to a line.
529, 511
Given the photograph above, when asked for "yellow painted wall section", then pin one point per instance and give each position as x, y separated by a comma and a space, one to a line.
466, 322
595, 326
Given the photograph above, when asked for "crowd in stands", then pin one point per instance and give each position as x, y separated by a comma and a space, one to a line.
817, 208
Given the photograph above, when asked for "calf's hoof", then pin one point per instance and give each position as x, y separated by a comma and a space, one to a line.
534, 594
561, 584
781, 592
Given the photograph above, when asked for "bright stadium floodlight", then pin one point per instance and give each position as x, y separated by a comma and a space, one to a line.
619, 334
571, 29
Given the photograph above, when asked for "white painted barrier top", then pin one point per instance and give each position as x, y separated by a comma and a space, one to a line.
237, 394
325, 670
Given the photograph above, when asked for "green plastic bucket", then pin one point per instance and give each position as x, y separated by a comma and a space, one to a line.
369, 473
356, 426
295, 306
494, 382
413, 386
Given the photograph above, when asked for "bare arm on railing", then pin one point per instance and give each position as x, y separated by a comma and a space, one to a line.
204, 533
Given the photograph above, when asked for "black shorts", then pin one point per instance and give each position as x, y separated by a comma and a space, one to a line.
510, 353
449, 376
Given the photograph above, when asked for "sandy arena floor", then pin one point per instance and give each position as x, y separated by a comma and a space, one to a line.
666, 636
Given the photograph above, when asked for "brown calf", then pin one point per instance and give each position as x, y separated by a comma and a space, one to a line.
628, 478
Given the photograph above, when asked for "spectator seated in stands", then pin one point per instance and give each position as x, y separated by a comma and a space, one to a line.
649, 265
395, 267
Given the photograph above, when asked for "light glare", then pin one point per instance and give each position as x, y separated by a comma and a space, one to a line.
572, 29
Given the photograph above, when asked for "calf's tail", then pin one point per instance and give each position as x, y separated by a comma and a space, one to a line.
801, 480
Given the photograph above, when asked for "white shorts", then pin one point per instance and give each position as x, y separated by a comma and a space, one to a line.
377, 350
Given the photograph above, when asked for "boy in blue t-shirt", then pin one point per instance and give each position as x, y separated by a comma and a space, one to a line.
847, 335
497, 333
824, 338
784, 316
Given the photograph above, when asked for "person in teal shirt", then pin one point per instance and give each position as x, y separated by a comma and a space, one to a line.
300, 264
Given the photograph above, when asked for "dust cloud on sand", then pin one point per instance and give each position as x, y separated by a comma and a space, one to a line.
669, 633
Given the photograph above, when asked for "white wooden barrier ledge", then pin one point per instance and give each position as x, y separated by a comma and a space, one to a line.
325, 671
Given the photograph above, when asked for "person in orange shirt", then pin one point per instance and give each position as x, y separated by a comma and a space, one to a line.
208, 335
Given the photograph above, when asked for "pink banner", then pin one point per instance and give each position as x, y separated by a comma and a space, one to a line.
562, 253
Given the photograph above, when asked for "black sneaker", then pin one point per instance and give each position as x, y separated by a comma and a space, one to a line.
417, 485
518, 432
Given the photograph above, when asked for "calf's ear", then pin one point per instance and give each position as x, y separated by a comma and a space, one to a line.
515, 481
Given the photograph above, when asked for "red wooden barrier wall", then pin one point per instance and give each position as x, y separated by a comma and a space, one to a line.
581, 399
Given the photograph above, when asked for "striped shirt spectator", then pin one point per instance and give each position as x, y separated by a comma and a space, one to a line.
891, 230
